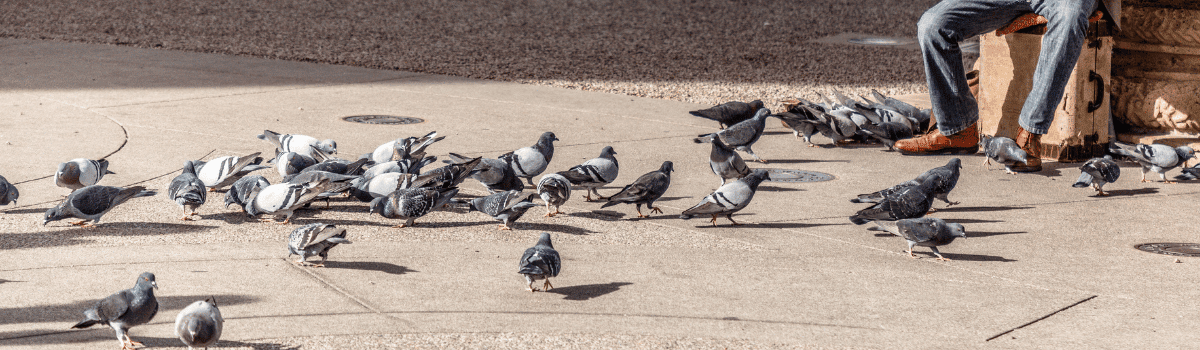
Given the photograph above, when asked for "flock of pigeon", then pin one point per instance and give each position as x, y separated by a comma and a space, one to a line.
393, 181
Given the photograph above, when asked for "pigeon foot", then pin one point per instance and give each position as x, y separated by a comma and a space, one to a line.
79, 223
505, 227
911, 255
547, 285
210, 189
655, 210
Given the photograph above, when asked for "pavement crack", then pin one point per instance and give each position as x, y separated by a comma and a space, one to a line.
1043, 317
346, 294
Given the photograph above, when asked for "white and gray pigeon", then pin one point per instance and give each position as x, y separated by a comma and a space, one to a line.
92, 202
404, 148
80, 172
448, 176
8, 192
283, 199
1191, 173
224, 171
199, 325
741, 136
300, 144
728, 199
1002, 150
338, 183
187, 190
925, 232
1096, 172
540, 262
288, 163
1155, 157
555, 190
494, 174
594, 173
726, 163
239, 192
646, 189
729, 113
531, 161
906, 202
315, 239
125, 309
945, 177
408, 204
504, 206
381, 185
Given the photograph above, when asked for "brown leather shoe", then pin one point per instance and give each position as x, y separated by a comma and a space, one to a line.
964, 142
1032, 145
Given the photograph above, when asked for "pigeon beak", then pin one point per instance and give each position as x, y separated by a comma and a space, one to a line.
154, 284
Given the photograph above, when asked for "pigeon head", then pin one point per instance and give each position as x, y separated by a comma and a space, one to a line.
54, 214
545, 240
146, 280
1185, 153
956, 230
756, 177
547, 138
378, 205
607, 152
757, 104
212, 300
327, 146
667, 167
762, 113
954, 163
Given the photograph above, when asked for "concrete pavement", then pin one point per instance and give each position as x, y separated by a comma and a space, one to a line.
798, 274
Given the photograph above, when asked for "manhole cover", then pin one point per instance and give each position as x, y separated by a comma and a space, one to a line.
789, 175
879, 41
382, 119
1176, 249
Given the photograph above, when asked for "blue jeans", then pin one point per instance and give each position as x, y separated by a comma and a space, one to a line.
950, 21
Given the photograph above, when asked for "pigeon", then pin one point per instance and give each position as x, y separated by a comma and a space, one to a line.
299, 144
336, 166
239, 192
8, 192
729, 113
404, 148
646, 189
1191, 173
187, 190
888, 132
531, 161
381, 186
288, 163
946, 178
1096, 172
799, 119
1156, 157
726, 163
449, 176
741, 136
594, 173
494, 174
80, 172
925, 232
199, 325
728, 199
906, 202
92, 202
125, 309
338, 183
315, 239
504, 206
901, 106
554, 190
540, 262
283, 199
1002, 150
408, 166
412, 203
223, 171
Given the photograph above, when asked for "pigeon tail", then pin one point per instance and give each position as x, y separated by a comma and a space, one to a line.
704, 138
84, 324
859, 221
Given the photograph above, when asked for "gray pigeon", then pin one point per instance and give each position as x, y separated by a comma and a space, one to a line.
646, 189
1156, 157
888, 132
728, 199
92, 202
555, 190
315, 239
381, 186
907, 202
799, 119
8, 192
945, 177
1002, 150
239, 192
494, 174
531, 161
729, 113
223, 171
449, 176
540, 262
125, 309
1096, 172
1191, 173
741, 136
405, 148
336, 166
288, 163
412, 203
199, 325
283, 199
80, 172
594, 173
338, 183
300, 144
925, 232
504, 206
726, 163
187, 190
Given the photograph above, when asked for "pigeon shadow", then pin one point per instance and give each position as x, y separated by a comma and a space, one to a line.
668, 199
977, 209
452, 224
777, 133
48, 336
606, 215
26, 211
782, 225
387, 268
71, 235
968, 257
972, 221
976, 234
778, 189
73, 311
800, 161
1129, 192
537, 226
588, 291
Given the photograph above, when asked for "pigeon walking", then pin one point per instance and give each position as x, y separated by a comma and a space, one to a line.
283, 199
8, 192
92, 202
945, 178
925, 232
1156, 157
594, 173
411, 203
531, 161
743, 135
1002, 150
540, 262
504, 206
646, 189
315, 239
300, 144
239, 192
907, 202
187, 190
726, 163
729, 113
80, 172
728, 199
494, 174
125, 309
1096, 172
199, 325
555, 190
224, 171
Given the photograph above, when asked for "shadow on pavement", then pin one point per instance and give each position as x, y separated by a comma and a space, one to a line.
778, 189
587, 291
76, 235
388, 268
70, 313
971, 234
968, 257
975, 209
972, 221
1131, 192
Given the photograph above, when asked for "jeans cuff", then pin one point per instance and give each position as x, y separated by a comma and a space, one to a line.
1032, 130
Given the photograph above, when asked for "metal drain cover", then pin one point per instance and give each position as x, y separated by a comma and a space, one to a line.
1176, 249
789, 175
382, 119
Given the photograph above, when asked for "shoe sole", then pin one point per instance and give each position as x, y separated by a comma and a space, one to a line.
951, 150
